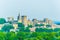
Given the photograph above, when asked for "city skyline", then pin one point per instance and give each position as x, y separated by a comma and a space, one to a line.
29, 19
33, 9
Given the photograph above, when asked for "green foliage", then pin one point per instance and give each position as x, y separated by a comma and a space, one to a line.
2, 36
2, 21
29, 36
43, 30
21, 29
27, 29
7, 27
48, 25
39, 30
39, 25
56, 29
25, 34
20, 25
21, 35
11, 36
34, 34
30, 26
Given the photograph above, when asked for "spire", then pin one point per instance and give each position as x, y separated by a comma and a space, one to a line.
18, 18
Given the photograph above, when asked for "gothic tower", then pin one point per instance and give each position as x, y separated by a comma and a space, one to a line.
18, 18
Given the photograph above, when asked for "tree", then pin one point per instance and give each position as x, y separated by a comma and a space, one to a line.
7, 27
2, 21
11, 36
34, 34
20, 25
56, 29
48, 25
37, 25
30, 26
39, 30
2, 36
27, 29
47, 30
40, 37
21, 35
41, 25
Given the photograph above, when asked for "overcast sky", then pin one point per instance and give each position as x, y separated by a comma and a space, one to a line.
32, 8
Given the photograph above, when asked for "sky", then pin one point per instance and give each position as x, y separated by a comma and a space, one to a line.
39, 9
